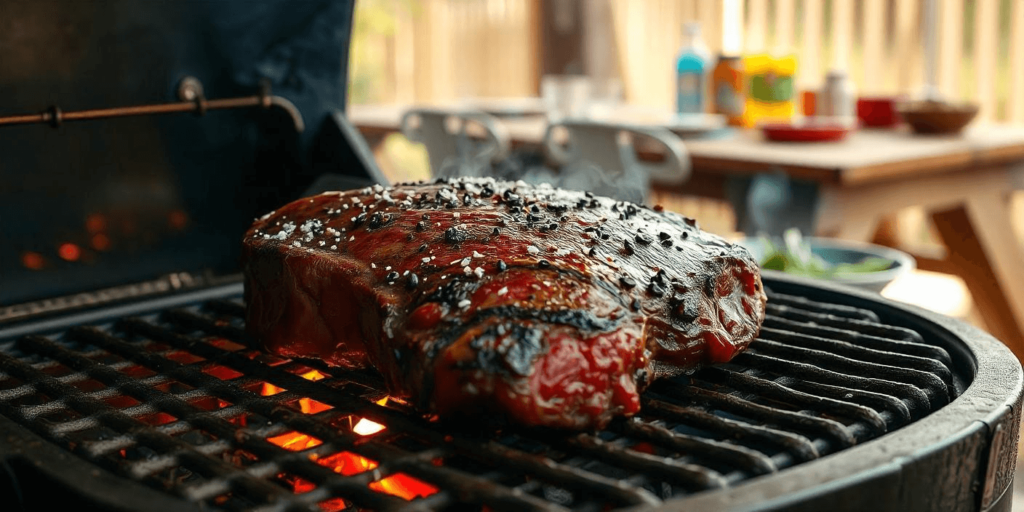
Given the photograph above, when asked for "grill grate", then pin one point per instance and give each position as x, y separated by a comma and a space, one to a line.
177, 400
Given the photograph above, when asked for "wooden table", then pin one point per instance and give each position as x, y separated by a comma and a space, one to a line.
964, 182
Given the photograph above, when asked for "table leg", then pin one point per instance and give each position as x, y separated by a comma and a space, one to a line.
887, 232
987, 255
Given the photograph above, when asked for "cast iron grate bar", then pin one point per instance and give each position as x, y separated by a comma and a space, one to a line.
467, 485
868, 327
856, 338
932, 386
592, 483
823, 377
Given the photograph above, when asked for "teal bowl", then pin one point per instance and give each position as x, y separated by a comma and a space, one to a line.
835, 251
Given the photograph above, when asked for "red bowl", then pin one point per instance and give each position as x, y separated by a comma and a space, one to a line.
878, 112
786, 132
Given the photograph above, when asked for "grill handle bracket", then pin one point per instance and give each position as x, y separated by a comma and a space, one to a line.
190, 91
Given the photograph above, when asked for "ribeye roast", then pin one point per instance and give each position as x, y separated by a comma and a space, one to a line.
549, 307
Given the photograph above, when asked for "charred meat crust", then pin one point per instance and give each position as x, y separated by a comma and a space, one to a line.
550, 307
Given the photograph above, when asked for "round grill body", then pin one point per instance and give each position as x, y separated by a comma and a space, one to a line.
846, 402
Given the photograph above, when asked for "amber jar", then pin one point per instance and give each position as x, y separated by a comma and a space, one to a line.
727, 89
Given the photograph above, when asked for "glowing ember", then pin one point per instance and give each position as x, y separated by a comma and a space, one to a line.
345, 463
295, 441
403, 486
95, 223
100, 242
32, 260
313, 375
398, 484
222, 372
270, 389
366, 427
69, 252
310, 406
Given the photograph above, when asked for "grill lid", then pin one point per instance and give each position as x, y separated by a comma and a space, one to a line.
110, 202
169, 396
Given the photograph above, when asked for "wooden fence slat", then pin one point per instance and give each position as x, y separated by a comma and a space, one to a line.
873, 62
757, 23
907, 55
809, 66
732, 27
842, 34
709, 14
785, 12
986, 30
1016, 99
950, 45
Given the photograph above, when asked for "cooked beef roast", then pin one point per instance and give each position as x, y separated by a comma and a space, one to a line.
549, 307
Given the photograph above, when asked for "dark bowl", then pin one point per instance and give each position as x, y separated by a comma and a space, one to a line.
932, 117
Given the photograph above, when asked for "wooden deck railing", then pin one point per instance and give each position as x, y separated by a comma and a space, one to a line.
435, 50
407, 51
980, 49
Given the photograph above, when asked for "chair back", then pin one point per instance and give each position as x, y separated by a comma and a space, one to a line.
600, 157
458, 142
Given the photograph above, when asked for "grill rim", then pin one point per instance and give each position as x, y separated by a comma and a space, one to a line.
993, 397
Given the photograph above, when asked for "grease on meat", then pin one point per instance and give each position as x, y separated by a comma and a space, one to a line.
549, 307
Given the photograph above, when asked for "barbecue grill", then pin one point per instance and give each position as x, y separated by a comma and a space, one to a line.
150, 397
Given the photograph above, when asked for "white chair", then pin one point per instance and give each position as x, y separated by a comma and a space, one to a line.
600, 157
459, 142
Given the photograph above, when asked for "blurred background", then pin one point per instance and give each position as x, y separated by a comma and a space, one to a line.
448, 52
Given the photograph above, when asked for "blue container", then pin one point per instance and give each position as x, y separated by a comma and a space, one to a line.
692, 73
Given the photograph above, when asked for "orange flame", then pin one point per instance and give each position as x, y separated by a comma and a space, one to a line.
345, 463
270, 389
313, 375
398, 484
295, 441
365, 427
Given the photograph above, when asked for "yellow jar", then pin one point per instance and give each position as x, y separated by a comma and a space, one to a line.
770, 88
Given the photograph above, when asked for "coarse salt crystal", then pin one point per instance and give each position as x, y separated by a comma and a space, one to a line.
503, 291
296, 244
532, 249
456, 214
387, 267
477, 255
426, 260
373, 265
464, 303
353, 237
466, 270
334, 247
479, 272
464, 262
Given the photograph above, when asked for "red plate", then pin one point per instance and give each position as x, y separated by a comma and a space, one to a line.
781, 132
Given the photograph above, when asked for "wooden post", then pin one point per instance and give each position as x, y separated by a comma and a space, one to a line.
964, 230
874, 63
950, 42
1015, 111
809, 66
561, 37
986, 28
